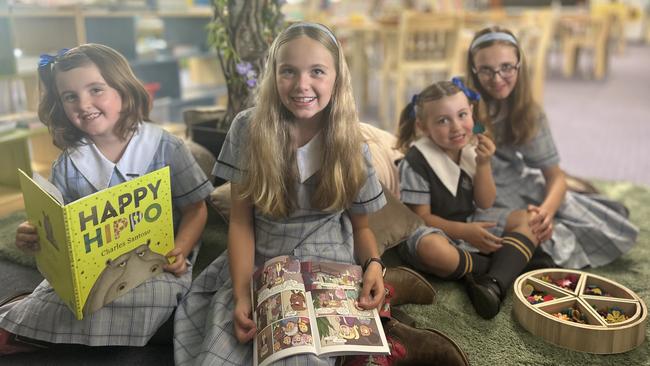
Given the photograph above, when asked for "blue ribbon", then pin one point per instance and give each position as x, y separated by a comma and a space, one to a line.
471, 94
46, 60
411, 106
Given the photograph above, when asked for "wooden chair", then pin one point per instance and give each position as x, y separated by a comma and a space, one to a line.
584, 32
426, 47
535, 33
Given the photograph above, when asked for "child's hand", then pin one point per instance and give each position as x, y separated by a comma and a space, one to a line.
179, 266
27, 238
483, 240
541, 223
243, 322
373, 292
484, 149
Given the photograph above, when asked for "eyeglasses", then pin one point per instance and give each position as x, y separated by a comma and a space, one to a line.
506, 71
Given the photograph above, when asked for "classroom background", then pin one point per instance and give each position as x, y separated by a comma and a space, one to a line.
588, 62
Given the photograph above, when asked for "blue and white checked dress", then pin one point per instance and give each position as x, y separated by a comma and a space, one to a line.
132, 319
203, 328
586, 232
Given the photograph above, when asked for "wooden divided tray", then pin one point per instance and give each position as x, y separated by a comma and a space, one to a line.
580, 311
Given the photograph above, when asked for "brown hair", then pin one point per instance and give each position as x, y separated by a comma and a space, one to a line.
406, 131
521, 123
115, 70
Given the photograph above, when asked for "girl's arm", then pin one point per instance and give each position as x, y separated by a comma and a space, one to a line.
485, 191
555, 189
365, 246
241, 255
542, 220
474, 233
194, 217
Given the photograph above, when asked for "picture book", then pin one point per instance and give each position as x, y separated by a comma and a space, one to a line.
311, 307
99, 247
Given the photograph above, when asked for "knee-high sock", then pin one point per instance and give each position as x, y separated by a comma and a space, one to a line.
508, 262
469, 262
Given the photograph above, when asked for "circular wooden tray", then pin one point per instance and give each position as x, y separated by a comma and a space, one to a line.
596, 335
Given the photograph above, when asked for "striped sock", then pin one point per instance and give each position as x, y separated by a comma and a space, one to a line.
469, 262
508, 262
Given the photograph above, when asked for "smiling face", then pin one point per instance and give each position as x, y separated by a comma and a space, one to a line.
448, 123
88, 101
497, 57
305, 75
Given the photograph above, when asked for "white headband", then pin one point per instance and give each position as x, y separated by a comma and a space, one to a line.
493, 36
314, 25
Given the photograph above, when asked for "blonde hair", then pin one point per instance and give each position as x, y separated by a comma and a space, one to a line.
406, 131
270, 182
521, 122
117, 73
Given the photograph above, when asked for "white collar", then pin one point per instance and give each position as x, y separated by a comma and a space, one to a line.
446, 169
137, 157
310, 157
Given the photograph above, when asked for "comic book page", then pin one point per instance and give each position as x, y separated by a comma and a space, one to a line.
283, 319
311, 307
343, 327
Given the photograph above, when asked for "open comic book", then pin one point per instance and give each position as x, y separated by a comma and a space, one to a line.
311, 307
99, 247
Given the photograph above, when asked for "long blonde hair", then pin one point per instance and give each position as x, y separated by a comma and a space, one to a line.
521, 122
270, 173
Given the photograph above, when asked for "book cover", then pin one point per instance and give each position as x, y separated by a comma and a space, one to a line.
311, 307
99, 247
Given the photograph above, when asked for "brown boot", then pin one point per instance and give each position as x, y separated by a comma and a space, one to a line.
423, 346
406, 286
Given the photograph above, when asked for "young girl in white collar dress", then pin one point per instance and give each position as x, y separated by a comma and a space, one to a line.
445, 175
302, 185
95, 110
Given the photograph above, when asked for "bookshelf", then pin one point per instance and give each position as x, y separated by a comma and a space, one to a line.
167, 48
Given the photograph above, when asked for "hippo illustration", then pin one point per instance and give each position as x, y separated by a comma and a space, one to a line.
122, 274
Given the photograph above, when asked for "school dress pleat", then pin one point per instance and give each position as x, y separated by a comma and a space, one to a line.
586, 232
132, 319
203, 326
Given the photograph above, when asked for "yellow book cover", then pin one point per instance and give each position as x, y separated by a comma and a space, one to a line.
99, 247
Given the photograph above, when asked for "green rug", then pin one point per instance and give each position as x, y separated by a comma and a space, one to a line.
502, 341
496, 342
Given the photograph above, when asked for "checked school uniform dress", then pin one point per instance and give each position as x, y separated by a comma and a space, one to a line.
429, 177
203, 328
586, 231
132, 319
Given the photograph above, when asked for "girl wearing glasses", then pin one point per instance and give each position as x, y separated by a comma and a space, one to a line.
576, 230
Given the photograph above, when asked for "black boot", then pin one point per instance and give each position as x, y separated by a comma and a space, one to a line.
485, 294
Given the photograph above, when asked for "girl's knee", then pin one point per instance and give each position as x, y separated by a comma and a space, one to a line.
517, 221
436, 253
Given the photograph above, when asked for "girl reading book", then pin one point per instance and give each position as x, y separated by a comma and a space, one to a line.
97, 112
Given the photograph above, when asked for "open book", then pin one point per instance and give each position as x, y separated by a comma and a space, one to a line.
311, 307
97, 248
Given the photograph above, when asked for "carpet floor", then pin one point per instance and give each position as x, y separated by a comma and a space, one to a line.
500, 341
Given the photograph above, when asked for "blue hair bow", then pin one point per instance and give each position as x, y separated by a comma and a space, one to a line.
471, 94
411, 106
46, 60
